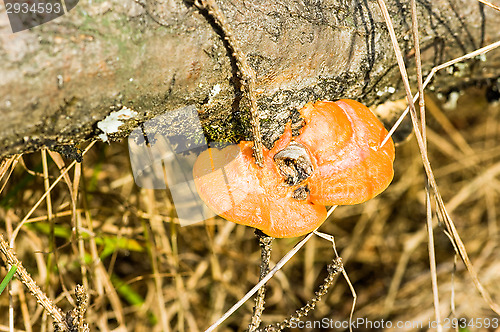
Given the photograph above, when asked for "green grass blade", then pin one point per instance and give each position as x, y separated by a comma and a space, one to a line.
8, 277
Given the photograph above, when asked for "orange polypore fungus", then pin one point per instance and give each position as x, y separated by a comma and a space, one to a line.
336, 160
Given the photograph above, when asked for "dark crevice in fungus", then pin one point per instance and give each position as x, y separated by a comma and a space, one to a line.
293, 163
301, 193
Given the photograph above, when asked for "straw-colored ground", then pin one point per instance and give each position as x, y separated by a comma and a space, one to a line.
146, 273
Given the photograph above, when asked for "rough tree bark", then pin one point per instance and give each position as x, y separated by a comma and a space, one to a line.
59, 79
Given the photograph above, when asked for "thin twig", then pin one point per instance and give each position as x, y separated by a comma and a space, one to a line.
489, 4
333, 270
52, 253
330, 238
433, 71
246, 73
254, 289
271, 273
452, 296
432, 260
265, 243
450, 226
418, 65
11, 308
421, 102
397, 51
4, 166
41, 297
82, 302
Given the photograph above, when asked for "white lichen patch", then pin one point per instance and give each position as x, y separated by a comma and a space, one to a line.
215, 90
387, 89
113, 121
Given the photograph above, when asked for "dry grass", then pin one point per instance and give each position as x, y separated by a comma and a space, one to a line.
146, 273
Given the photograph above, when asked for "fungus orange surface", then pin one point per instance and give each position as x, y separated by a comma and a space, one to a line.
335, 160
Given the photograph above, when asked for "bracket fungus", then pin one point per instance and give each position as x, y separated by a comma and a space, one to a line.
335, 160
